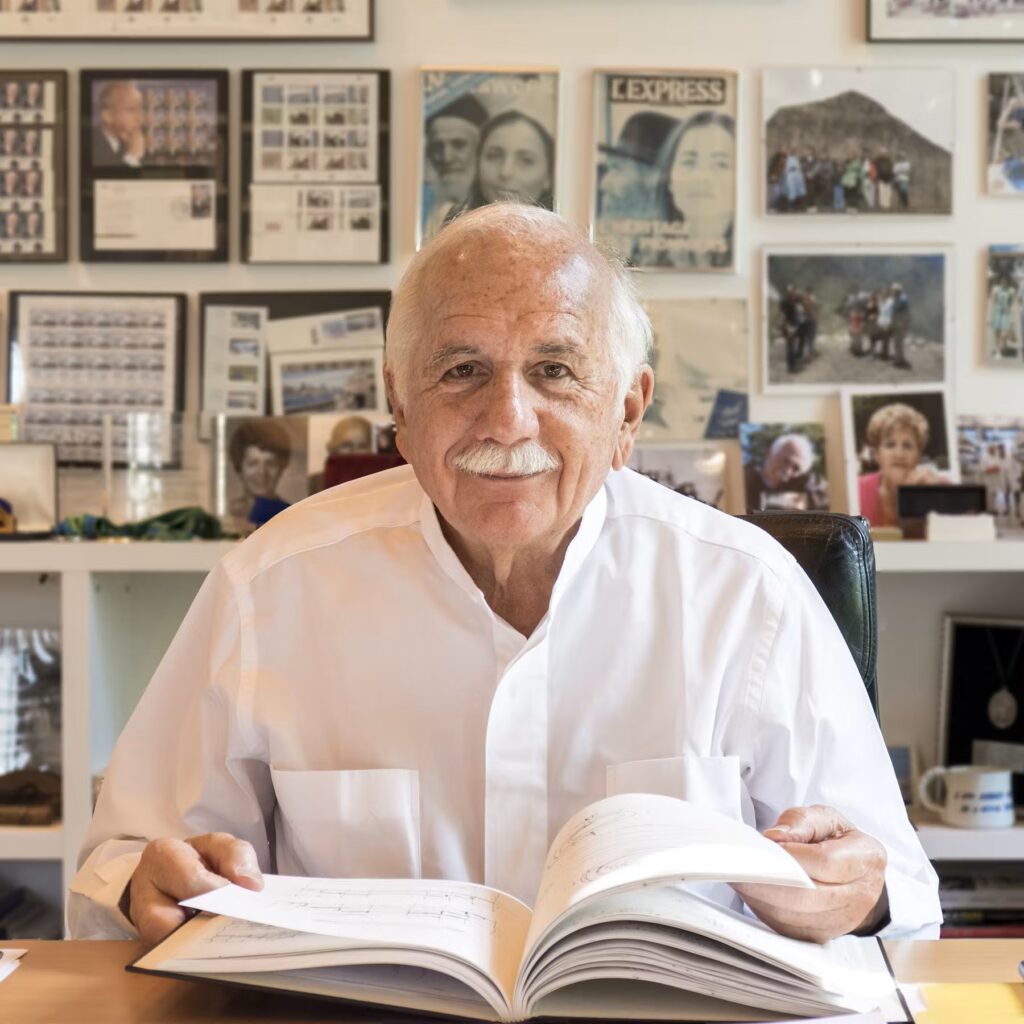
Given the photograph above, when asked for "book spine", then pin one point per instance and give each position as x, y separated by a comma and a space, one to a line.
981, 931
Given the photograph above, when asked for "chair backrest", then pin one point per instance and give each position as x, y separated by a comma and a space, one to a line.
837, 554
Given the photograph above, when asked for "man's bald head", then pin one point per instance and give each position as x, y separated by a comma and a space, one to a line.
502, 248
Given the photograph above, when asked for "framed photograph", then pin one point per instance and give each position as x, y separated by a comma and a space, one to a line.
154, 166
784, 466
1004, 155
693, 470
176, 20
834, 317
28, 491
992, 455
358, 442
665, 168
1004, 306
858, 140
30, 678
488, 134
904, 765
259, 468
315, 166
701, 379
982, 700
341, 380
894, 439
963, 21
76, 357
33, 167
241, 331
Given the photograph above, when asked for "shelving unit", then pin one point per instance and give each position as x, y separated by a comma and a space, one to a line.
944, 842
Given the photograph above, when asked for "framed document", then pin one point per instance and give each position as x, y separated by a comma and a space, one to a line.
315, 166
75, 357
33, 166
168, 20
154, 166
244, 335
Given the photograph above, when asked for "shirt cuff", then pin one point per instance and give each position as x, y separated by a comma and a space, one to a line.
914, 911
95, 895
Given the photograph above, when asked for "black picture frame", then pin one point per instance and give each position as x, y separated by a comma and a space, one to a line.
980, 655
164, 27
873, 37
19, 363
207, 176
382, 147
56, 164
282, 305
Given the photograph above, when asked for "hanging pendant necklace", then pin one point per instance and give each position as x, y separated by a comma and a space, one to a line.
1002, 706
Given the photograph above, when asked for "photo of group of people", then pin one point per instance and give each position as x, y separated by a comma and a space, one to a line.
992, 455
488, 135
845, 140
665, 168
154, 122
861, 317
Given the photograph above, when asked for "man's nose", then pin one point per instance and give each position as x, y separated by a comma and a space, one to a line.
508, 415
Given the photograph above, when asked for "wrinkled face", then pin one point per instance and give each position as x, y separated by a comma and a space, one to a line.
260, 471
122, 116
451, 146
511, 359
787, 463
703, 172
514, 164
897, 455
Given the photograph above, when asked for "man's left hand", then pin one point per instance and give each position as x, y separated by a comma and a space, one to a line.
846, 866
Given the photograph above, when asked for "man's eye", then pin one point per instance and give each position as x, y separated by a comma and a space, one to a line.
554, 370
462, 371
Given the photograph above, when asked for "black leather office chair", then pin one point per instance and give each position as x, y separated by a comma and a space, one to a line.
837, 554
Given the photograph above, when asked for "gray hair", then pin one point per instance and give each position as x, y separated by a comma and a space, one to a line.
801, 441
629, 333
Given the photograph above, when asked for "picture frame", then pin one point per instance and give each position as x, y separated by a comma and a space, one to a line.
334, 380
846, 325
327, 198
184, 20
697, 470
991, 452
921, 415
784, 467
33, 174
1004, 156
28, 470
867, 141
154, 165
982, 695
74, 357
465, 110
650, 128
287, 321
908, 21
1003, 311
905, 768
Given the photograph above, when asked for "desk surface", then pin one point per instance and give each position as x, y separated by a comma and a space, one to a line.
85, 983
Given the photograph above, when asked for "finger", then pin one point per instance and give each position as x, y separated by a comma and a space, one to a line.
808, 825
843, 860
233, 859
176, 868
154, 913
788, 900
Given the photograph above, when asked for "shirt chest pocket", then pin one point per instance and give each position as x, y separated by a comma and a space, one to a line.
348, 824
712, 782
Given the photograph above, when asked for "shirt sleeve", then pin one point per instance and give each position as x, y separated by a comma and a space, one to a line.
817, 742
187, 763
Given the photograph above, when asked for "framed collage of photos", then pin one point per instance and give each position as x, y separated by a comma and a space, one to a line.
172, 20
488, 134
292, 352
664, 182
154, 166
75, 357
33, 166
315, 166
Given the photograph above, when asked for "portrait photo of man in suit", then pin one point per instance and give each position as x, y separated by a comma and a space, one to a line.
118, 138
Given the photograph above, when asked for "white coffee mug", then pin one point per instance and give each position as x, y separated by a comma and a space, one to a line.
972, 797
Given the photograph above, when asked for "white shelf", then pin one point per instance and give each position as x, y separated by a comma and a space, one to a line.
944, 842
112, 556
949, 556
31, 842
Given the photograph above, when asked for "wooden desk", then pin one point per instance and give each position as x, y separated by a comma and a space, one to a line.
85, 983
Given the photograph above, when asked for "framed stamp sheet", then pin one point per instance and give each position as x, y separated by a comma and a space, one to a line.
163, 20
154, 166
315, 166
76, 357
33, 166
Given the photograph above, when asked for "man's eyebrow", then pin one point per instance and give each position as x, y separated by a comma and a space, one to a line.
442, 355
562, 348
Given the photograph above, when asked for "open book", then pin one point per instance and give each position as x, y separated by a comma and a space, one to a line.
619, 930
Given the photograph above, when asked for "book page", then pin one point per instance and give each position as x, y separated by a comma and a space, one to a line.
641, 839
470, 923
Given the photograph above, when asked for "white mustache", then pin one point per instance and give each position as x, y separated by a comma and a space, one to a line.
488, 458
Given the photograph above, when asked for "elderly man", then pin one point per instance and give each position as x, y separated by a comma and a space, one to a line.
786, 477
118, 139
425, 672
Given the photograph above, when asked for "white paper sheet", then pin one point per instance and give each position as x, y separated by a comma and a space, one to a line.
175, 215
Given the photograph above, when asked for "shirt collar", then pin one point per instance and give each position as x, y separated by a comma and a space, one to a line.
591, 524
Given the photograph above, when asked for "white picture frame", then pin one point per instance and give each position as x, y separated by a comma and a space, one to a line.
333, 387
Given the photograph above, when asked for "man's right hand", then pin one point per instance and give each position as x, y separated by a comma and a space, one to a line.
172, 870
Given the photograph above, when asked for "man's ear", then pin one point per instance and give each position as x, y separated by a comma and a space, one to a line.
634, 405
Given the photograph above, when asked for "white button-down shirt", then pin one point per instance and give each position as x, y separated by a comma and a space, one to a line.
342, 696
